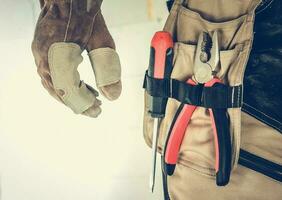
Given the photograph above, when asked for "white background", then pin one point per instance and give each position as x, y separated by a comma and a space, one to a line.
49, 153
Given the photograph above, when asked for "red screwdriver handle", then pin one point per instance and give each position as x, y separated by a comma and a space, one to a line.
162, 44
160, 67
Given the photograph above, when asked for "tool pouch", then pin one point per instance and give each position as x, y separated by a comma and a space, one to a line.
255, 144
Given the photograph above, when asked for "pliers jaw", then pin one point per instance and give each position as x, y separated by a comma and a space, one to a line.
206, 57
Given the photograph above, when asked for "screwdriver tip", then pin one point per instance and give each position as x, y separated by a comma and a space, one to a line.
152, 185
152, 189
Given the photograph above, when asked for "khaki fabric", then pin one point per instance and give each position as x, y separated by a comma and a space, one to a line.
194, 177
191, 182
78, 22
235, 39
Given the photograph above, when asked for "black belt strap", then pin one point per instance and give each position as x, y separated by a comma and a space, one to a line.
261, 165
219, 96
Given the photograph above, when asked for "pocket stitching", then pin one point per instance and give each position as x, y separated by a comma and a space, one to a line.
196, 16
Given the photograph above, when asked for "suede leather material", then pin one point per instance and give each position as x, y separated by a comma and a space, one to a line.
71, 21
106, 66
63, 59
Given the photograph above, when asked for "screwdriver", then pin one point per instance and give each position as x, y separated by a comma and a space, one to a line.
160, 67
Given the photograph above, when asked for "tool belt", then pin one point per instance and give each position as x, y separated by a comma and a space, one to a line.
254, 133
222, 96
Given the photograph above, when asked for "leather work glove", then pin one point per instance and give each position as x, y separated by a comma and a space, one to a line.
65, 29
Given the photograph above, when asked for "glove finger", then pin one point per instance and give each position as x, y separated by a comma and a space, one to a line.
94, 111
104, 60
107, 70
111, 91
63, 59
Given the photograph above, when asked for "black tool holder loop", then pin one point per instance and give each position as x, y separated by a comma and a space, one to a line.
220, 96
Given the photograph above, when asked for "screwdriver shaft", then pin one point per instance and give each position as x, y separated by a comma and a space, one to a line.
154, 152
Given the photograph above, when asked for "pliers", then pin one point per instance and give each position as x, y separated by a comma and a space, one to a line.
206, 64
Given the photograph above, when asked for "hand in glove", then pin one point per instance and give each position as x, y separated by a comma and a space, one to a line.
65, 29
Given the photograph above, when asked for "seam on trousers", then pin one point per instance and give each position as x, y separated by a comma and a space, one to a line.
267, 119
262, 113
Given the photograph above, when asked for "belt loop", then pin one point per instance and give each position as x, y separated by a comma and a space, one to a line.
241, 95
232, 97
202, 101
170, 88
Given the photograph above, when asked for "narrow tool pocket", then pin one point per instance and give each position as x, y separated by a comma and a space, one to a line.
197, 146
235, 39
190, 24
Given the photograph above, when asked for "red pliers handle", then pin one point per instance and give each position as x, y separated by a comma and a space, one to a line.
220, 125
